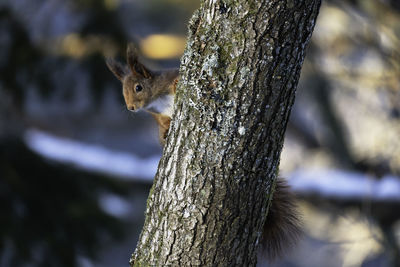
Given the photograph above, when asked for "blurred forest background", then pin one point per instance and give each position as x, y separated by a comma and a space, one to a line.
76, 166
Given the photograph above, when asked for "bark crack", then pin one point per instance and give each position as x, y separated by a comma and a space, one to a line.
210, 194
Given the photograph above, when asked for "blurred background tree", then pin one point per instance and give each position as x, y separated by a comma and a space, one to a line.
76, 167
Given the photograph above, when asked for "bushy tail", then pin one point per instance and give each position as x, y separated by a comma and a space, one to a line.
282, 225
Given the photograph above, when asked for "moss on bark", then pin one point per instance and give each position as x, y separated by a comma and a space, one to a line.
239, 75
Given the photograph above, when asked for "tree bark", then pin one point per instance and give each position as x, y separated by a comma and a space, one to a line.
215, 180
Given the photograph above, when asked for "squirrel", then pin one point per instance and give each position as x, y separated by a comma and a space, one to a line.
154, 92
144, 89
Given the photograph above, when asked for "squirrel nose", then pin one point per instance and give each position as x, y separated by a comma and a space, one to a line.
131, 108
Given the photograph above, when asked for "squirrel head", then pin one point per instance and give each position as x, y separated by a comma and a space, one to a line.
137, 80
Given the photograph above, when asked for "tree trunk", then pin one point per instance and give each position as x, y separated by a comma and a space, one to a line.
214, 182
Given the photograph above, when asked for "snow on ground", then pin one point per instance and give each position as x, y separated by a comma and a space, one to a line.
345, 185
91, 157
328, 183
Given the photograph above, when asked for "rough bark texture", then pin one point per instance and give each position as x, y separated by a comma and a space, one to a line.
214, 182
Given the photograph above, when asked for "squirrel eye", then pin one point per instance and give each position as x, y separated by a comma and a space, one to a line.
138, 88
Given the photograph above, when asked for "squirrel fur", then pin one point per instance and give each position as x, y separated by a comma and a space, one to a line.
154, 92
282, 225
144, 89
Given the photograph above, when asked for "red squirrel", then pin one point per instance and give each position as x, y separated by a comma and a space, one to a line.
154, 92
144, 89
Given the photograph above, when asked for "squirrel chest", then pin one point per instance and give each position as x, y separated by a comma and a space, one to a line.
162, 105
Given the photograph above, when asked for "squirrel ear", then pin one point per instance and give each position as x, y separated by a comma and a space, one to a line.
117, 68
136, 67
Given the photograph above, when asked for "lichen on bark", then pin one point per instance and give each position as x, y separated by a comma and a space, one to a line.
238, 78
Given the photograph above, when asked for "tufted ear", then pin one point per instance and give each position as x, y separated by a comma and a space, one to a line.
135, 66
117, 68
